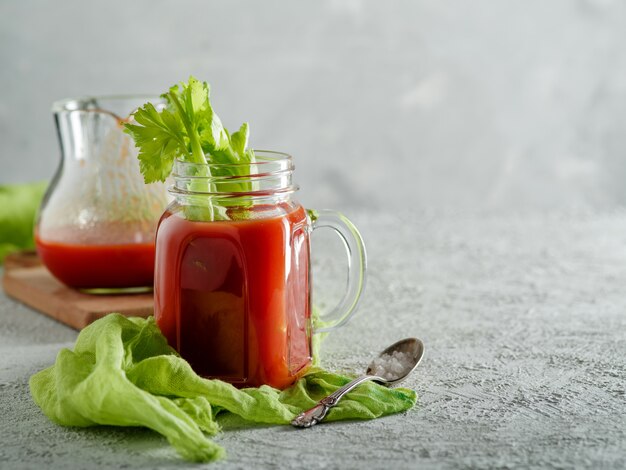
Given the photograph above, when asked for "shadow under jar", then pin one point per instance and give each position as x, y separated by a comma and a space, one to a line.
232, 273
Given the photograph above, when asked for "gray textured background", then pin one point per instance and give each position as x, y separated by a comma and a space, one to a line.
510, 107
399, 103
524, 326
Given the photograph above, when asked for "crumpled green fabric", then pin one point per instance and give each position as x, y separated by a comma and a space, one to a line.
122, 372
18, 205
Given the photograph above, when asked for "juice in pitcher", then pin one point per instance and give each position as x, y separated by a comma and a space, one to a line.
96, 225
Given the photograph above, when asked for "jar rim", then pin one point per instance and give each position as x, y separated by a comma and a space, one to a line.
269, 174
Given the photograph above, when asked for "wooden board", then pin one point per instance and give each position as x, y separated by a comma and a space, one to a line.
28, 281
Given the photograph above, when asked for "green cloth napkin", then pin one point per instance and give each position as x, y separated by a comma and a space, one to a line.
18, 205
122, 372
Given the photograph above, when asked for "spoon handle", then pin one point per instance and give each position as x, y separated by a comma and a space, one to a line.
309, 418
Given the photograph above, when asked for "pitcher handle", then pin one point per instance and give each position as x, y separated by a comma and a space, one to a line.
357, 266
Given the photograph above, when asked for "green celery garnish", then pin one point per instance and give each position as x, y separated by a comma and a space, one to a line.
189, 129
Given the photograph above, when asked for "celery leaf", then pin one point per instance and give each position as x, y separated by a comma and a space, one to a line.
158, 135
188, 129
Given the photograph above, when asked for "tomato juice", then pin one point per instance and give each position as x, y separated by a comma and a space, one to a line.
232, 297
99, 266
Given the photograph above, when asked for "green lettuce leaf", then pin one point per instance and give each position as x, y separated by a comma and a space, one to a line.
122, 372
18, 206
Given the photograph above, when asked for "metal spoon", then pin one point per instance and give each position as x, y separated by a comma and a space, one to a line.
412, 347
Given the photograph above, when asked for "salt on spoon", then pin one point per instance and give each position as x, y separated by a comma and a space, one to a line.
391, 366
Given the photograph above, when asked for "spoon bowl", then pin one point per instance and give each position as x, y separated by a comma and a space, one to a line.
407, 353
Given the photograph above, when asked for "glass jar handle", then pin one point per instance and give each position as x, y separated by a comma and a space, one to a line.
357, 265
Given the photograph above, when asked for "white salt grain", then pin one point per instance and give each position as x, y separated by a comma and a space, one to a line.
391, 366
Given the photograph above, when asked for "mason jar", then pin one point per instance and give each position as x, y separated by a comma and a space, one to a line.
232, 274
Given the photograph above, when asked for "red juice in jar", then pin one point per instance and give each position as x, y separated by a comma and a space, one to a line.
232, 296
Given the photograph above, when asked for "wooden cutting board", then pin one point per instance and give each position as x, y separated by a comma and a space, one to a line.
28, 281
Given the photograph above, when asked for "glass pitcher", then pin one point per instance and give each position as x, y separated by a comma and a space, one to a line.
96, 225
232, 275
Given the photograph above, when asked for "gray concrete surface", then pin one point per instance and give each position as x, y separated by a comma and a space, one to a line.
524, 320
399, 103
